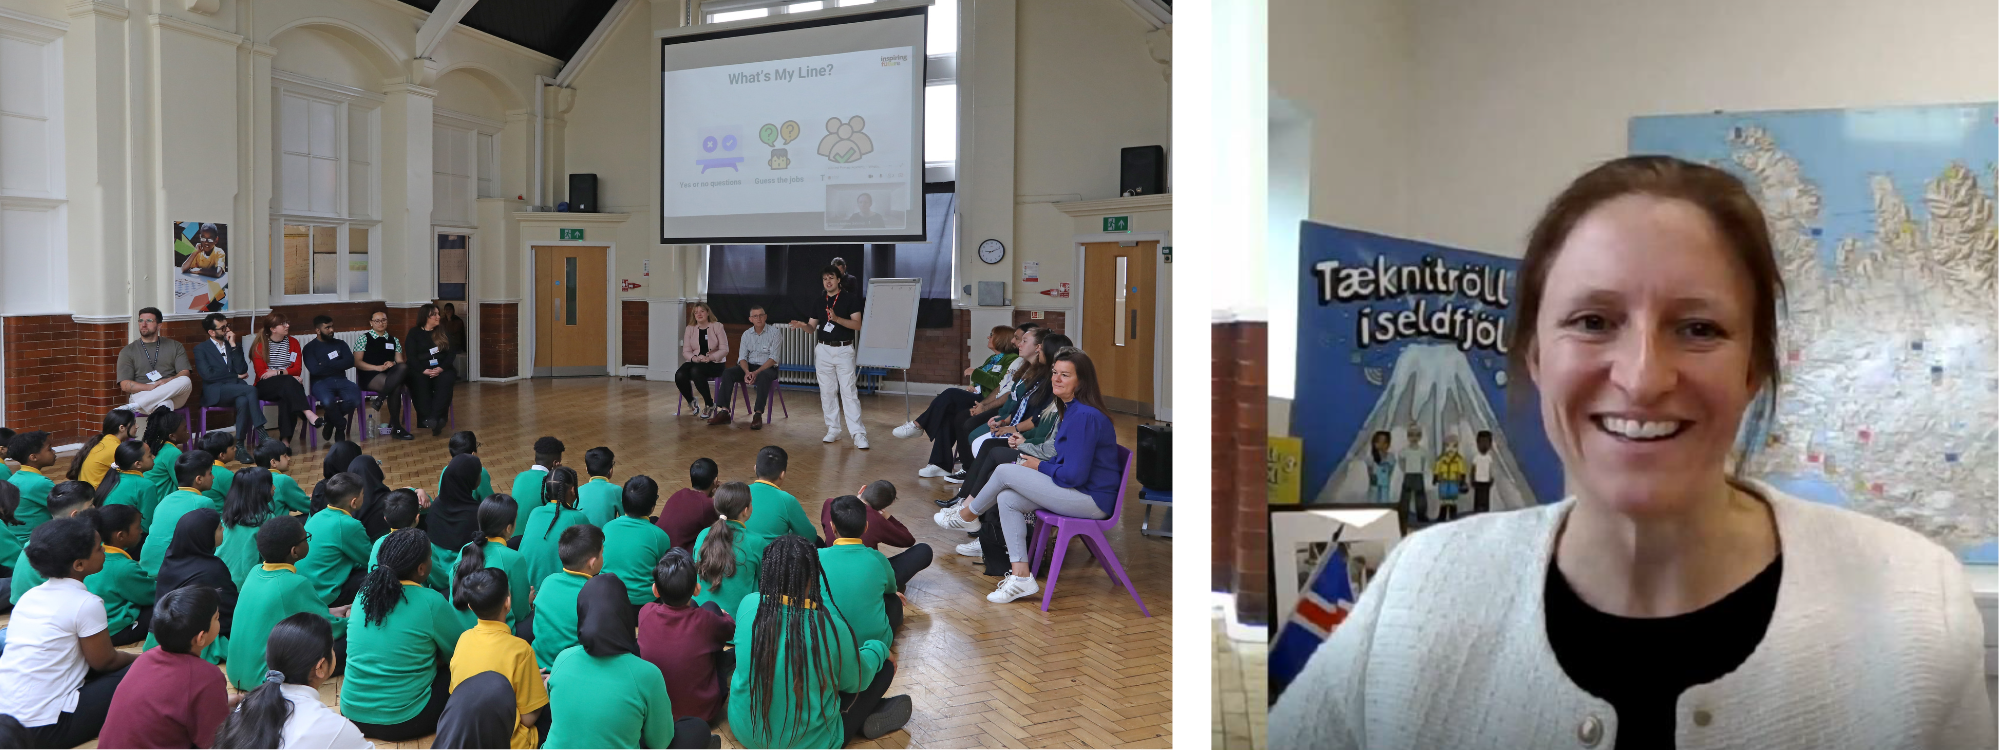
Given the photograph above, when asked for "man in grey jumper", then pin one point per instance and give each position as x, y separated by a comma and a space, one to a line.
154, 369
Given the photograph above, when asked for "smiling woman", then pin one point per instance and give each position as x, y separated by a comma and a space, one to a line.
1667, 602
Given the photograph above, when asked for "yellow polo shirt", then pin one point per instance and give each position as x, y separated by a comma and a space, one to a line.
209, 259
490, 647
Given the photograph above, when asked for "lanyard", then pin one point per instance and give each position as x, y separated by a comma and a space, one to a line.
153, 357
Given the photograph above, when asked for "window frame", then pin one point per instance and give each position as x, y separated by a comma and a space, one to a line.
487, 159
346, 218
53, 201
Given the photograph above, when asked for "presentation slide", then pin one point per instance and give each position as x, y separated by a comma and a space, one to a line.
801, 132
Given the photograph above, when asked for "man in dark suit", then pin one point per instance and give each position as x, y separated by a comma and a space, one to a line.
222, 367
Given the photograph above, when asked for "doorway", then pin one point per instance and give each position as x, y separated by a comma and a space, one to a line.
570, 322
453, 272
1118, 319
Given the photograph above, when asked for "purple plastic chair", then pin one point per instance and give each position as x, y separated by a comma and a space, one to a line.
1093, 538
743, 398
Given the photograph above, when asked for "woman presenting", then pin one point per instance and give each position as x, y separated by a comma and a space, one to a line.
1668, 602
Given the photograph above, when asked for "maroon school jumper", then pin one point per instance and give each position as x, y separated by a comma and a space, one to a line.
881, 530
684, 516
166, 700
683, 643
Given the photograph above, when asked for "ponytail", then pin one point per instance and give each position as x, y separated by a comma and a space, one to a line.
10, 501
114, 422
160, 425
717, 557
129, 454
402, 554
294, 650
471, 559
561, 482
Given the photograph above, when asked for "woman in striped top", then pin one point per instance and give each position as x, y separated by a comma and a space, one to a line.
276, 356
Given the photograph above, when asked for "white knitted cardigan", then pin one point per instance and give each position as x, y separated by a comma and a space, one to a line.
1875, 643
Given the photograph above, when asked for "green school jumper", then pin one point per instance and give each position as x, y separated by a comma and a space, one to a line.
273, 592
585, 714
161, 533
442, 562
124, 587
555, 615
860, 577
541, 544
5, 472
285, 493
600, 500
9, 546
162, 477
390, 664
632, 547
527, 496
730, 591
478, 493
25, 578
34, 508
339, 545
819, 726
136, 490
223, 478
775, 513
519, 585
239, 553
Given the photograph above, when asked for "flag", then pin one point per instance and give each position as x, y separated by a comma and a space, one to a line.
1322, 606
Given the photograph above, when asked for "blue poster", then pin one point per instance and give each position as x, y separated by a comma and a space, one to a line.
1402, 372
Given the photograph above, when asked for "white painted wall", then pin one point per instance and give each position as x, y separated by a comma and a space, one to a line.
1346, 65
1512, 100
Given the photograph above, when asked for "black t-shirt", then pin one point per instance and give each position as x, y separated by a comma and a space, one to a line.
420, 343
1642, 665
378, 350
845, 304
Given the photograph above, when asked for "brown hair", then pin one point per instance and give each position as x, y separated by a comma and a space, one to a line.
1006, 334
1086, 379
1719, 195
439, 338
273, 320
703, 306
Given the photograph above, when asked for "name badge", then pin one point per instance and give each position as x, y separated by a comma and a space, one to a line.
828, 327
333, 355
391, 345
153, 377
434, 350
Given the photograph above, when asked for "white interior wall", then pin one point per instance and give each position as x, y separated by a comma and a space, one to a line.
1513, 100
1346, 65
315, 54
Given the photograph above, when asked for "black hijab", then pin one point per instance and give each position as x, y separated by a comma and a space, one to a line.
605, 619
480, 713
191, 561
373, 496
338, 457
454, 515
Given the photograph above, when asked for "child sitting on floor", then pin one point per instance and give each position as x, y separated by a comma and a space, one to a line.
285, 710
67, 500
491, 647
196, 479
632, 544
398, 672
884, 529
221, 446
463, 442
170, 697
599, 497
274, 591
687, 642
555, 597
728, 554
339, 560
496, 524
126, 483
541, 539
528, 484
276, 457
692, 508
59, 672
247, 507
861, 583
125, 587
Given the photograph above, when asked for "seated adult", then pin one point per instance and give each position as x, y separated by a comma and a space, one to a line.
383, 371
757, 362
153, 369
1030, 396
704, 349
951, 407
1081, 481
223, 370
1029, 430
329, 360
276, 356
430, 386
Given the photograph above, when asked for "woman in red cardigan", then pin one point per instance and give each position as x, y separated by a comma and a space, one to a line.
276, 357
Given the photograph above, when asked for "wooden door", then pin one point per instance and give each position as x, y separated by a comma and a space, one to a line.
1118, 322
570, 319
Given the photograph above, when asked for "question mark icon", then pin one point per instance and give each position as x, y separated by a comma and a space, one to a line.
790, 130
768, 134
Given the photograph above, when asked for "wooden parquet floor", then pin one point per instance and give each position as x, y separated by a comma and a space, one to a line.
1091, 672
1241, 686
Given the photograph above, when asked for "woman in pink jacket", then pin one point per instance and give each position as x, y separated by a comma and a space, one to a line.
704, 352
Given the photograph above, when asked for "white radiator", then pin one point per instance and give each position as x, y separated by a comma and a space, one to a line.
797, 350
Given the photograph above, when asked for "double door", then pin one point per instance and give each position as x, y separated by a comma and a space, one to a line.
571, 325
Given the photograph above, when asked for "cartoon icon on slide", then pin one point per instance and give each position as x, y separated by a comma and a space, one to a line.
723, 139
780, 158
844, 142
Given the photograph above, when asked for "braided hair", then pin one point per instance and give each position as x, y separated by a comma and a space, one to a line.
161, 426
115, 424
559, 487
403, 557
791, 612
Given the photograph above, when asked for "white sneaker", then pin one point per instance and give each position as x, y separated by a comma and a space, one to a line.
970, 549
861, 440
932, 470
948, 518
907, 430
1013, 587
831, 435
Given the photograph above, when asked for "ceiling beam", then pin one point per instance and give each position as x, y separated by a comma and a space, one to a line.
591, 43
1153, 12
441, 21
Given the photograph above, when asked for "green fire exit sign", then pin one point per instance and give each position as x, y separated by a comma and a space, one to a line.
1117, 223
571, 234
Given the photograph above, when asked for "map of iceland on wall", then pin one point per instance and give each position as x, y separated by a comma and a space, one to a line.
1883, 223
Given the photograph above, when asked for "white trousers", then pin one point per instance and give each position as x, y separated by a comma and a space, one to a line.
835, 367
174, 390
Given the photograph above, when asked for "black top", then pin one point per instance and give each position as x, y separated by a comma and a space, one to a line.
1603, 653
421, 343
845, 304
328, 358
378, 350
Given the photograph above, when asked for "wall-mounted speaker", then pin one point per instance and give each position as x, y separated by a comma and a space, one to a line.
1142, 170
583, 193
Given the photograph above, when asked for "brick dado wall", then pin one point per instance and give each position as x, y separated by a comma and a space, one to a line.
632, 337
499, 339
941, 353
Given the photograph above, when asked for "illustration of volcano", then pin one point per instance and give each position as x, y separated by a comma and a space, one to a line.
1433, 387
